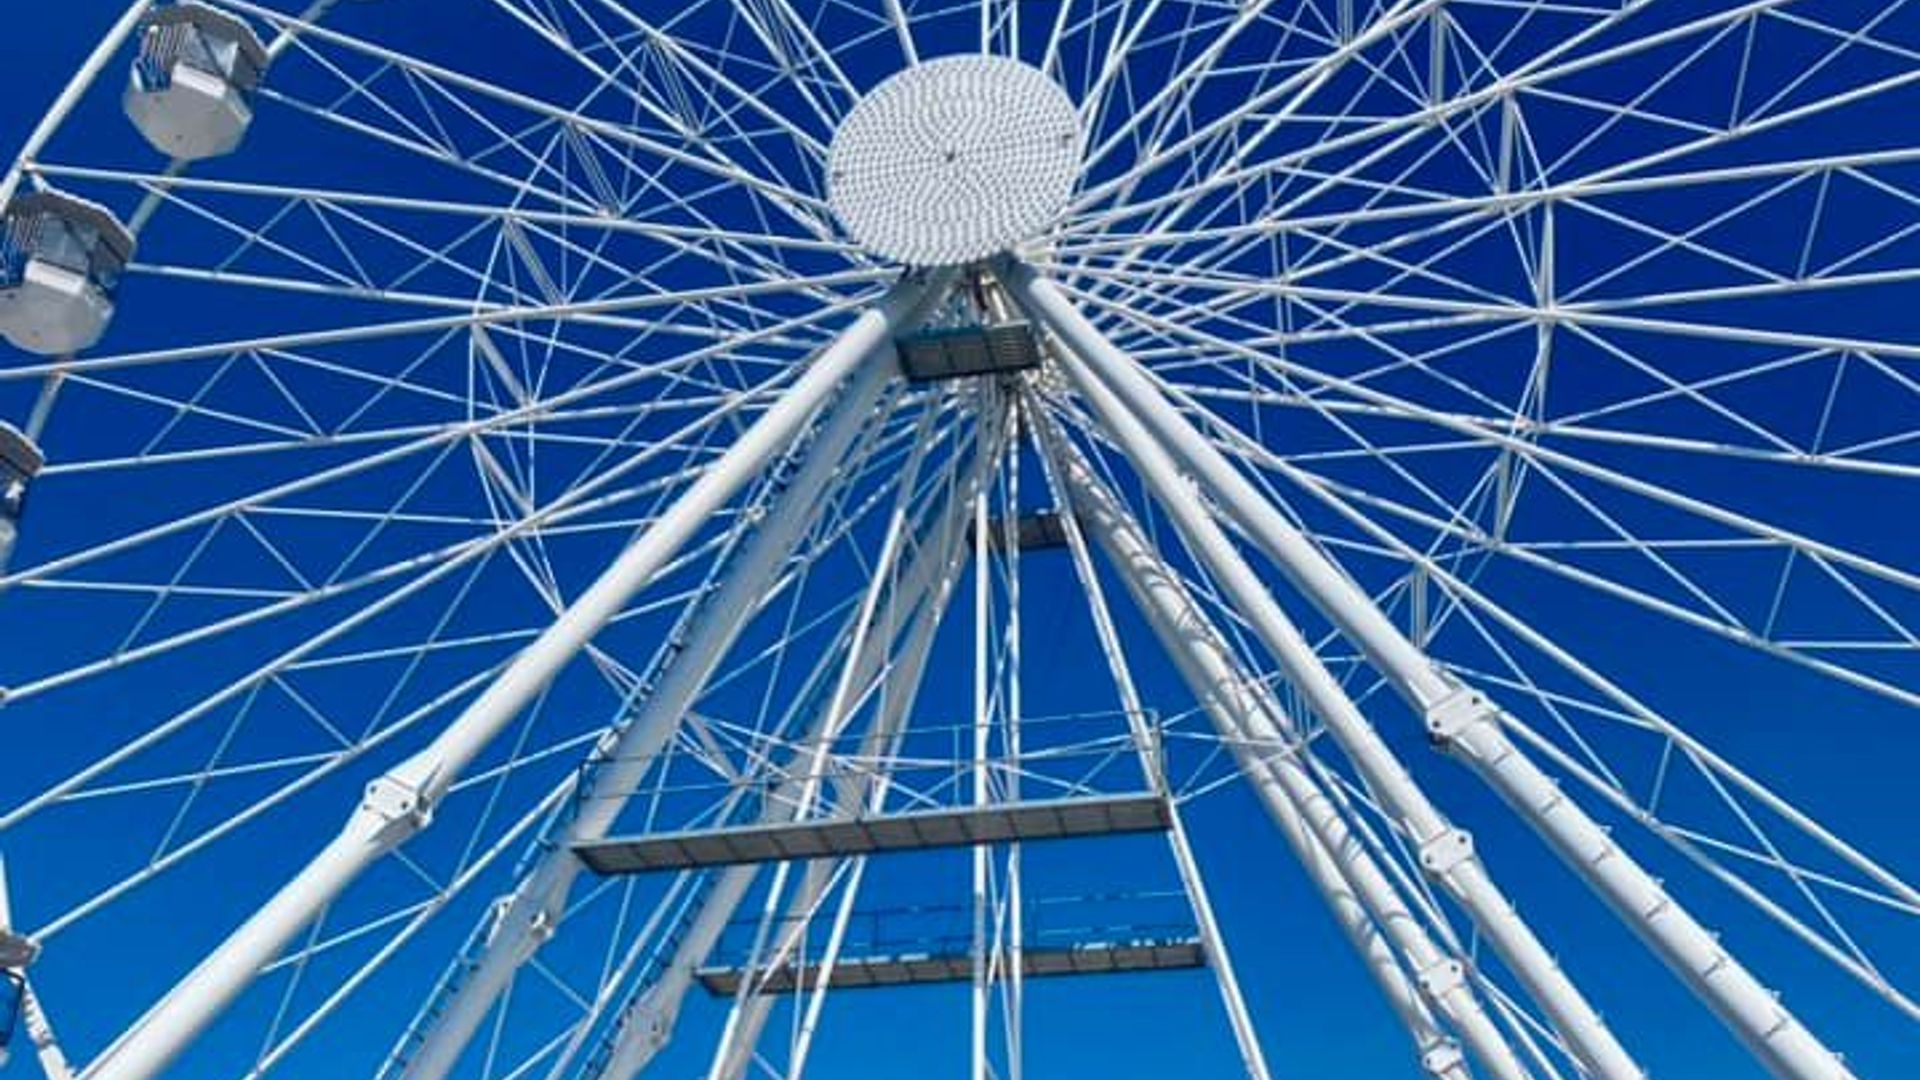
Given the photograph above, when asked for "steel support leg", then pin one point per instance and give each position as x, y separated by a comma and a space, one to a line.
748, 1016
866, 790
1147, 743
1362, 896
400, 804
921, 596
1464, 722
979, 1067
531, 915
647, 1024
1446, 852
754, 1010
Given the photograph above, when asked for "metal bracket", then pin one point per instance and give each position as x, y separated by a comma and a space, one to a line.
1444, 1058
1439, 980
1451, 717
645, 1017
542, 924
17, 950
543, 927
1439, 855
397, 803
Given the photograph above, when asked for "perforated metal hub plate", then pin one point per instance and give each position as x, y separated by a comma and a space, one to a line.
954, 161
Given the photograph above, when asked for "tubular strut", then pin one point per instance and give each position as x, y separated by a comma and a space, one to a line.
1362, 897
1459, 719
400, 804
752, 1011
1213, 943
925, 588
1446, 852
530, 915
33, 1016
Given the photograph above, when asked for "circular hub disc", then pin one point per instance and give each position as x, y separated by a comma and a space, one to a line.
955, 160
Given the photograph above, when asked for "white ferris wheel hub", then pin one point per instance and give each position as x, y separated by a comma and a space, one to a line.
955, 160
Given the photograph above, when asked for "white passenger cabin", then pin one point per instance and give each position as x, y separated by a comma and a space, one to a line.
192, 87
20, 462
60, 262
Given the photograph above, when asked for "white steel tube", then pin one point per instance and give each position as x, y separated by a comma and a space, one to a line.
921, 594
531, 914
869, 791
1362, 897
400, 804
1013, 1008
753, 1012
980, 1067
1462, 721
866, 658
1446, 852
33, 1018
866, 790
1148, 743
76, 88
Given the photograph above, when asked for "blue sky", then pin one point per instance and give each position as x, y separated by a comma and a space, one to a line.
1844, 754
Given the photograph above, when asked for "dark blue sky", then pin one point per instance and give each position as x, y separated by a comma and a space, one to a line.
1845, 755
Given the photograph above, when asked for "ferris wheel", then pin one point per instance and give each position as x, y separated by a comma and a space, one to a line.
572, 538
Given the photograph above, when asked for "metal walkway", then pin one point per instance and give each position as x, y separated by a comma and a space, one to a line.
913, 969
1049, 819
959, 352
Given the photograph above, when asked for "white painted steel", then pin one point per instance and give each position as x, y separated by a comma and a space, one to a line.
1152, 760
1360, 895
1340, 215
751, 1012
1446, 851
97, 61
533, 912
979, 1064
918, 599
1469, 725
400, 804
33, 1015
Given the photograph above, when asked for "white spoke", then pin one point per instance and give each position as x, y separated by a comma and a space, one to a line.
604, 448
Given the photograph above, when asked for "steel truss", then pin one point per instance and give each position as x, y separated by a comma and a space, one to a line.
1458, 718
1431, 987
640, 270
1420, 977
401, 803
